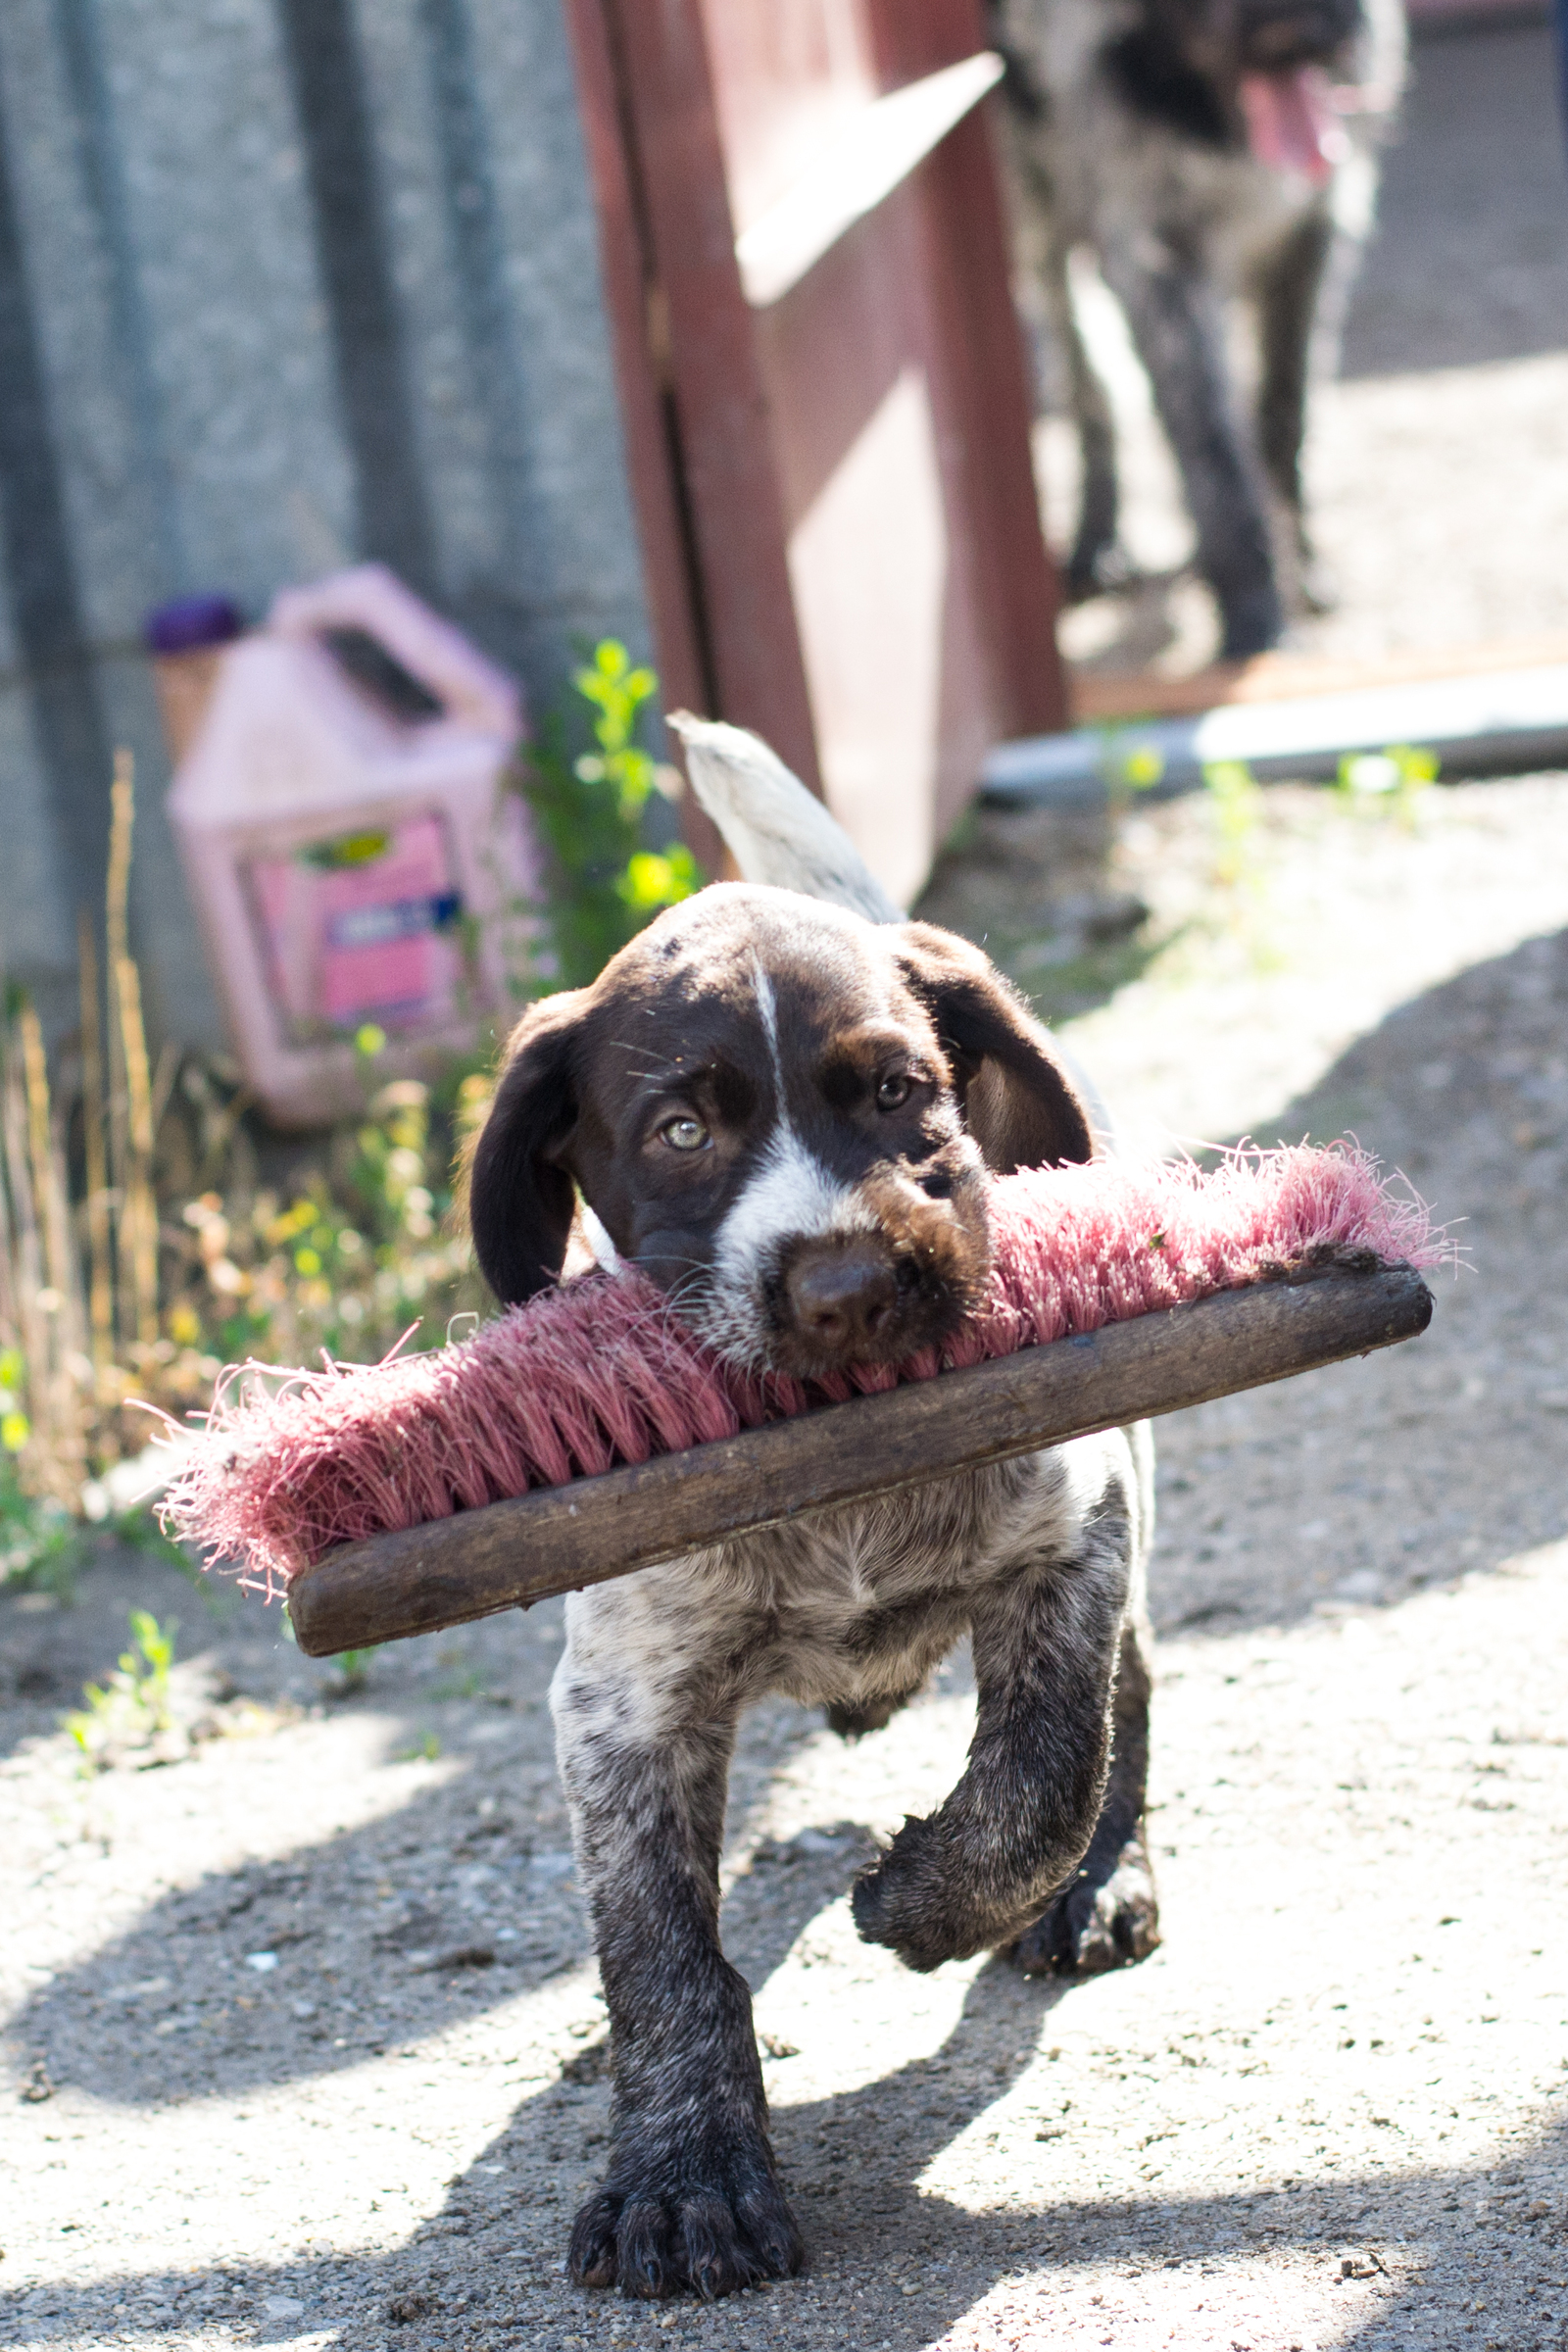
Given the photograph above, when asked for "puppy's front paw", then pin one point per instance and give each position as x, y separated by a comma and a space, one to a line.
905, 1900
1101, 1919
710, 2219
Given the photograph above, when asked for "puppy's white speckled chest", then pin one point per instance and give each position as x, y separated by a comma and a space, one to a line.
837, 1605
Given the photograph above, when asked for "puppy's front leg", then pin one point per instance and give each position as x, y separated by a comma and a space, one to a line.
691, 2196
980, 1870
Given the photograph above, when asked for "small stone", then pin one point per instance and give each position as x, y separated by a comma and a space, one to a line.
282, 2307
416, 2305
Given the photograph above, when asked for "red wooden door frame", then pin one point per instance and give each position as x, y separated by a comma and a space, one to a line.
692, 395
696, 412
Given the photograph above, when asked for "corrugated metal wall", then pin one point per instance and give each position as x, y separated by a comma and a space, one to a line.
282, 283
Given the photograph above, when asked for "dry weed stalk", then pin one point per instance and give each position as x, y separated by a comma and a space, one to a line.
101, 1295
69, 1333
45, 1277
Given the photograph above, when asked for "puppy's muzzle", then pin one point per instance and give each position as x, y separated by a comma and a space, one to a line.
841, 1298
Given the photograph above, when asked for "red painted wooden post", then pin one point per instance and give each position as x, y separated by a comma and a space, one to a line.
625, 262
703, 342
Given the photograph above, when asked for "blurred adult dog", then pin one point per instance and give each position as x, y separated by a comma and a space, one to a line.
1200, 148
782, 1107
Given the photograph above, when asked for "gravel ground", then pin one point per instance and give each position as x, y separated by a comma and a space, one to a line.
304, 2046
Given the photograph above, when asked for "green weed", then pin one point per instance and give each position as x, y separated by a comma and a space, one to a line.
41, 1547
588, 806
1236, 810
1390, 783
354, 1670
132, 1706
1128, 761
425, 1750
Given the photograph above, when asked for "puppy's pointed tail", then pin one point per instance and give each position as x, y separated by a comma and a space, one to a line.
773, 828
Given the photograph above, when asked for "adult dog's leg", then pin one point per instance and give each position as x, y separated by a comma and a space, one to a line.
692, 2195
1175, 313
1041, 240
1045, 1637
1107, 1914
1288, 292
1097, 562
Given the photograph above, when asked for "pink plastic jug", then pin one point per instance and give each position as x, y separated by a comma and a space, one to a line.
351, 852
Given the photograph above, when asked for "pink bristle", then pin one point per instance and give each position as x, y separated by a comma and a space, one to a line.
600, 1371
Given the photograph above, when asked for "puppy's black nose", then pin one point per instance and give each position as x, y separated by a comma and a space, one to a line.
841, 1295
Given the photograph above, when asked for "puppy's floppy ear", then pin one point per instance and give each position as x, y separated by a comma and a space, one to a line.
1019, 1103
521, 1198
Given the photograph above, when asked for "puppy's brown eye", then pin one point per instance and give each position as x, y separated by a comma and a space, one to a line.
894, 1092
684, 1134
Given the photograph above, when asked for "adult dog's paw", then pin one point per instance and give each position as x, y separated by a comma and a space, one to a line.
708, 2221
1101, 1919
914, 1903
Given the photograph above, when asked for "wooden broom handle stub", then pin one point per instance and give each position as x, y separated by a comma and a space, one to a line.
558, 1539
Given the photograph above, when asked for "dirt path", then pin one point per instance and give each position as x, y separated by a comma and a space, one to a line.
1330, 2110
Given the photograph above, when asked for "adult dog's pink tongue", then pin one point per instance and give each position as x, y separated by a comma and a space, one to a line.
1291, 121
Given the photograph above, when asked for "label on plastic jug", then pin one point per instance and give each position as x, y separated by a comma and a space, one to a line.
362, 926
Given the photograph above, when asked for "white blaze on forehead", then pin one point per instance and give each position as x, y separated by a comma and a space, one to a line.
767, 1008
791, 1196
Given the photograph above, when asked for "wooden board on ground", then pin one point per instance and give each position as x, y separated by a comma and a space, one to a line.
559, 1539
1098, 696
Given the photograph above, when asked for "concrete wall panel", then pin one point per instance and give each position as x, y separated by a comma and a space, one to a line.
284, 283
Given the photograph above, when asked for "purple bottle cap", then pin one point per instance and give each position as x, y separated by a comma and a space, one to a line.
189, 623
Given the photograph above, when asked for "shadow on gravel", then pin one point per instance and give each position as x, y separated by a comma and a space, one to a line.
853, 2165
216, 2026
1470, 1071
53, 1643
237, 1977
1439, 1459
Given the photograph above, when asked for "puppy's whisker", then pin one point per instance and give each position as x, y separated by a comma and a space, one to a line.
661, 1061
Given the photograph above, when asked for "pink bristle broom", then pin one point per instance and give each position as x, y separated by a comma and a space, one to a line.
411, 1464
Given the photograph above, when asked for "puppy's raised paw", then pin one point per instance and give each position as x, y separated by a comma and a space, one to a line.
907, 1901
701, 2222
1101, 1919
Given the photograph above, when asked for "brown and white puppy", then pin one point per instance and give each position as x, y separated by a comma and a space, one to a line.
783, 1112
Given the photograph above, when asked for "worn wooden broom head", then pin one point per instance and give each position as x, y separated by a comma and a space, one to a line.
588, 1434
